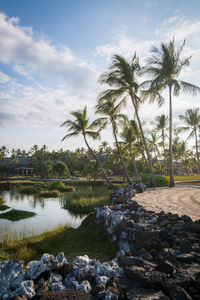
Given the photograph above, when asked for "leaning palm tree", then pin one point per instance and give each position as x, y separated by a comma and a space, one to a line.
108, 108
165, 66
81, 126
192, 120
123, 76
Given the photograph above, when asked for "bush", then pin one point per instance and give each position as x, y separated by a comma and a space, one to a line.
160, 180
60, 186
53, 193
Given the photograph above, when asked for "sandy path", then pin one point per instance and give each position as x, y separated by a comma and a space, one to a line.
182, 200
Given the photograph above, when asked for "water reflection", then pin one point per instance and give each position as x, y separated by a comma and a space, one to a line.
49, 214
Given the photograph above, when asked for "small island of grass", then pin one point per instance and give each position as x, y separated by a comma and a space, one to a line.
16, 215
47, 194
4, 207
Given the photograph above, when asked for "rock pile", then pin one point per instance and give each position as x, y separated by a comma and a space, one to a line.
159, 252
159, 258
56, 274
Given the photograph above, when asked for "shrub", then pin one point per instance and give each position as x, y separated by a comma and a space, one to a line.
160, 180
60, 186
53, 193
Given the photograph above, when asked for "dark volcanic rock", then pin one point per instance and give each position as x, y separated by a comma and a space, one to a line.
185, 246
165, 267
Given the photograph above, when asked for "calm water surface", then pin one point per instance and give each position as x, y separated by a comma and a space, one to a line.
49, 214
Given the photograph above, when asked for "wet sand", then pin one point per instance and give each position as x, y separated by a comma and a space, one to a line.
181, 200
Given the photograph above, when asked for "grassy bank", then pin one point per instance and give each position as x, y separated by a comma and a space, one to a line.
90, 238
83, 201
16, 215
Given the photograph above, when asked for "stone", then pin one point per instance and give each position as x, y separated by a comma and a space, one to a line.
48, 262
55, 282
165, 267
11, 276
185, 246
83, 286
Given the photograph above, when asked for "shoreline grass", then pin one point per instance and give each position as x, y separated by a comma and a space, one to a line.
48, 194
89, 238
16, 215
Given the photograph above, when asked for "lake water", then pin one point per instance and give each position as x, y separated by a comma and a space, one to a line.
49, 214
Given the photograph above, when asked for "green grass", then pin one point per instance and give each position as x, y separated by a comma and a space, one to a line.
89, 238
182, 178
16, 215
4, 207
83, 201
47, 194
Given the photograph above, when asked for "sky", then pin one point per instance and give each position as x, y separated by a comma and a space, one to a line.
53, 52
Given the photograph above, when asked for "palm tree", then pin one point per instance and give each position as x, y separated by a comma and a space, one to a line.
165, 66
161, 125
111, 111
153, 145
123, 76
81, 126
192, 120
130, 136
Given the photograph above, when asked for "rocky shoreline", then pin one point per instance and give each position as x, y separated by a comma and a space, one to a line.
159, 258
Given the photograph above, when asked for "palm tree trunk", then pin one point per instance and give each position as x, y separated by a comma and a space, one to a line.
171, 167
145, 144
197, 153
120, 156
100, 166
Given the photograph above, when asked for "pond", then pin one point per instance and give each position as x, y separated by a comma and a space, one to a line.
49, 214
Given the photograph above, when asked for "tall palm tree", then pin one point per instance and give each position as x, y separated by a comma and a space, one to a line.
165, 66
81, 126
192, 120
123, 76
111, 111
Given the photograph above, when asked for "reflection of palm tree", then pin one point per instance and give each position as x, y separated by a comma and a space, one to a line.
192, 120
165, 66
123, 76
81, 126
111, 111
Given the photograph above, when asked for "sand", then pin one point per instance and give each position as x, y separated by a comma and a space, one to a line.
181, 200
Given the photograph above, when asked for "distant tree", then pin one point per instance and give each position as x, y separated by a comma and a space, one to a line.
60, 168
192, 120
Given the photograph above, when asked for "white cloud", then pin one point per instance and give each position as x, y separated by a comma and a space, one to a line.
3, 77
21, 46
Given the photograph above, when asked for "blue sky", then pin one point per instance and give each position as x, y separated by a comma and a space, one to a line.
52, 53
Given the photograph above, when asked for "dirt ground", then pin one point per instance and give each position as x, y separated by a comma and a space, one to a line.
181, 200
